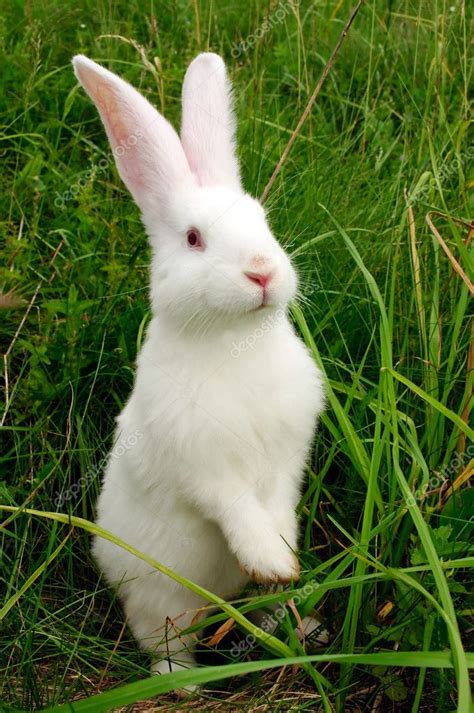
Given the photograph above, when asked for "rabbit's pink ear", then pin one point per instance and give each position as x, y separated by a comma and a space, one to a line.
208, 124
146, 148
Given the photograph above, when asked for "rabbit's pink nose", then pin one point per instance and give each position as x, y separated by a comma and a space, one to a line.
259, 278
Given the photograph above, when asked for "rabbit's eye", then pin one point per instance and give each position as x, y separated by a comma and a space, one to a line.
194, 238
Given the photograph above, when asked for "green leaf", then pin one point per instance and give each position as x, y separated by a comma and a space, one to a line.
396, 690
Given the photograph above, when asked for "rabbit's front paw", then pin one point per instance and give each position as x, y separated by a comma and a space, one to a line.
268, 564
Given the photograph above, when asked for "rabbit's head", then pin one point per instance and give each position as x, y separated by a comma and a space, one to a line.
213, 252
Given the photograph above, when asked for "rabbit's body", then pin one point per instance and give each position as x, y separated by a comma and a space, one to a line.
235, 425
226, 396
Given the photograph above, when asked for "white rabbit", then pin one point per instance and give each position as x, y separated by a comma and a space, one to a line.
226, 396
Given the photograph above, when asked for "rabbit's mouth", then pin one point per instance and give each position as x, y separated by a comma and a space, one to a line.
263, 304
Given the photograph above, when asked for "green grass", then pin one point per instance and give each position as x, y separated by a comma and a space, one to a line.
387, 553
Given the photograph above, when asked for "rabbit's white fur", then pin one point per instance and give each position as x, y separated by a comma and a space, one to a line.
226, 396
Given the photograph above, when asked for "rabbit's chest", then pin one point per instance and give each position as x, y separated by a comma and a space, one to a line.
251, 412
256, 415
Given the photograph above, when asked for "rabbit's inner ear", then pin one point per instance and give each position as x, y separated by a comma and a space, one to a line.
107, 103
208, 124
123, 133
146, 148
